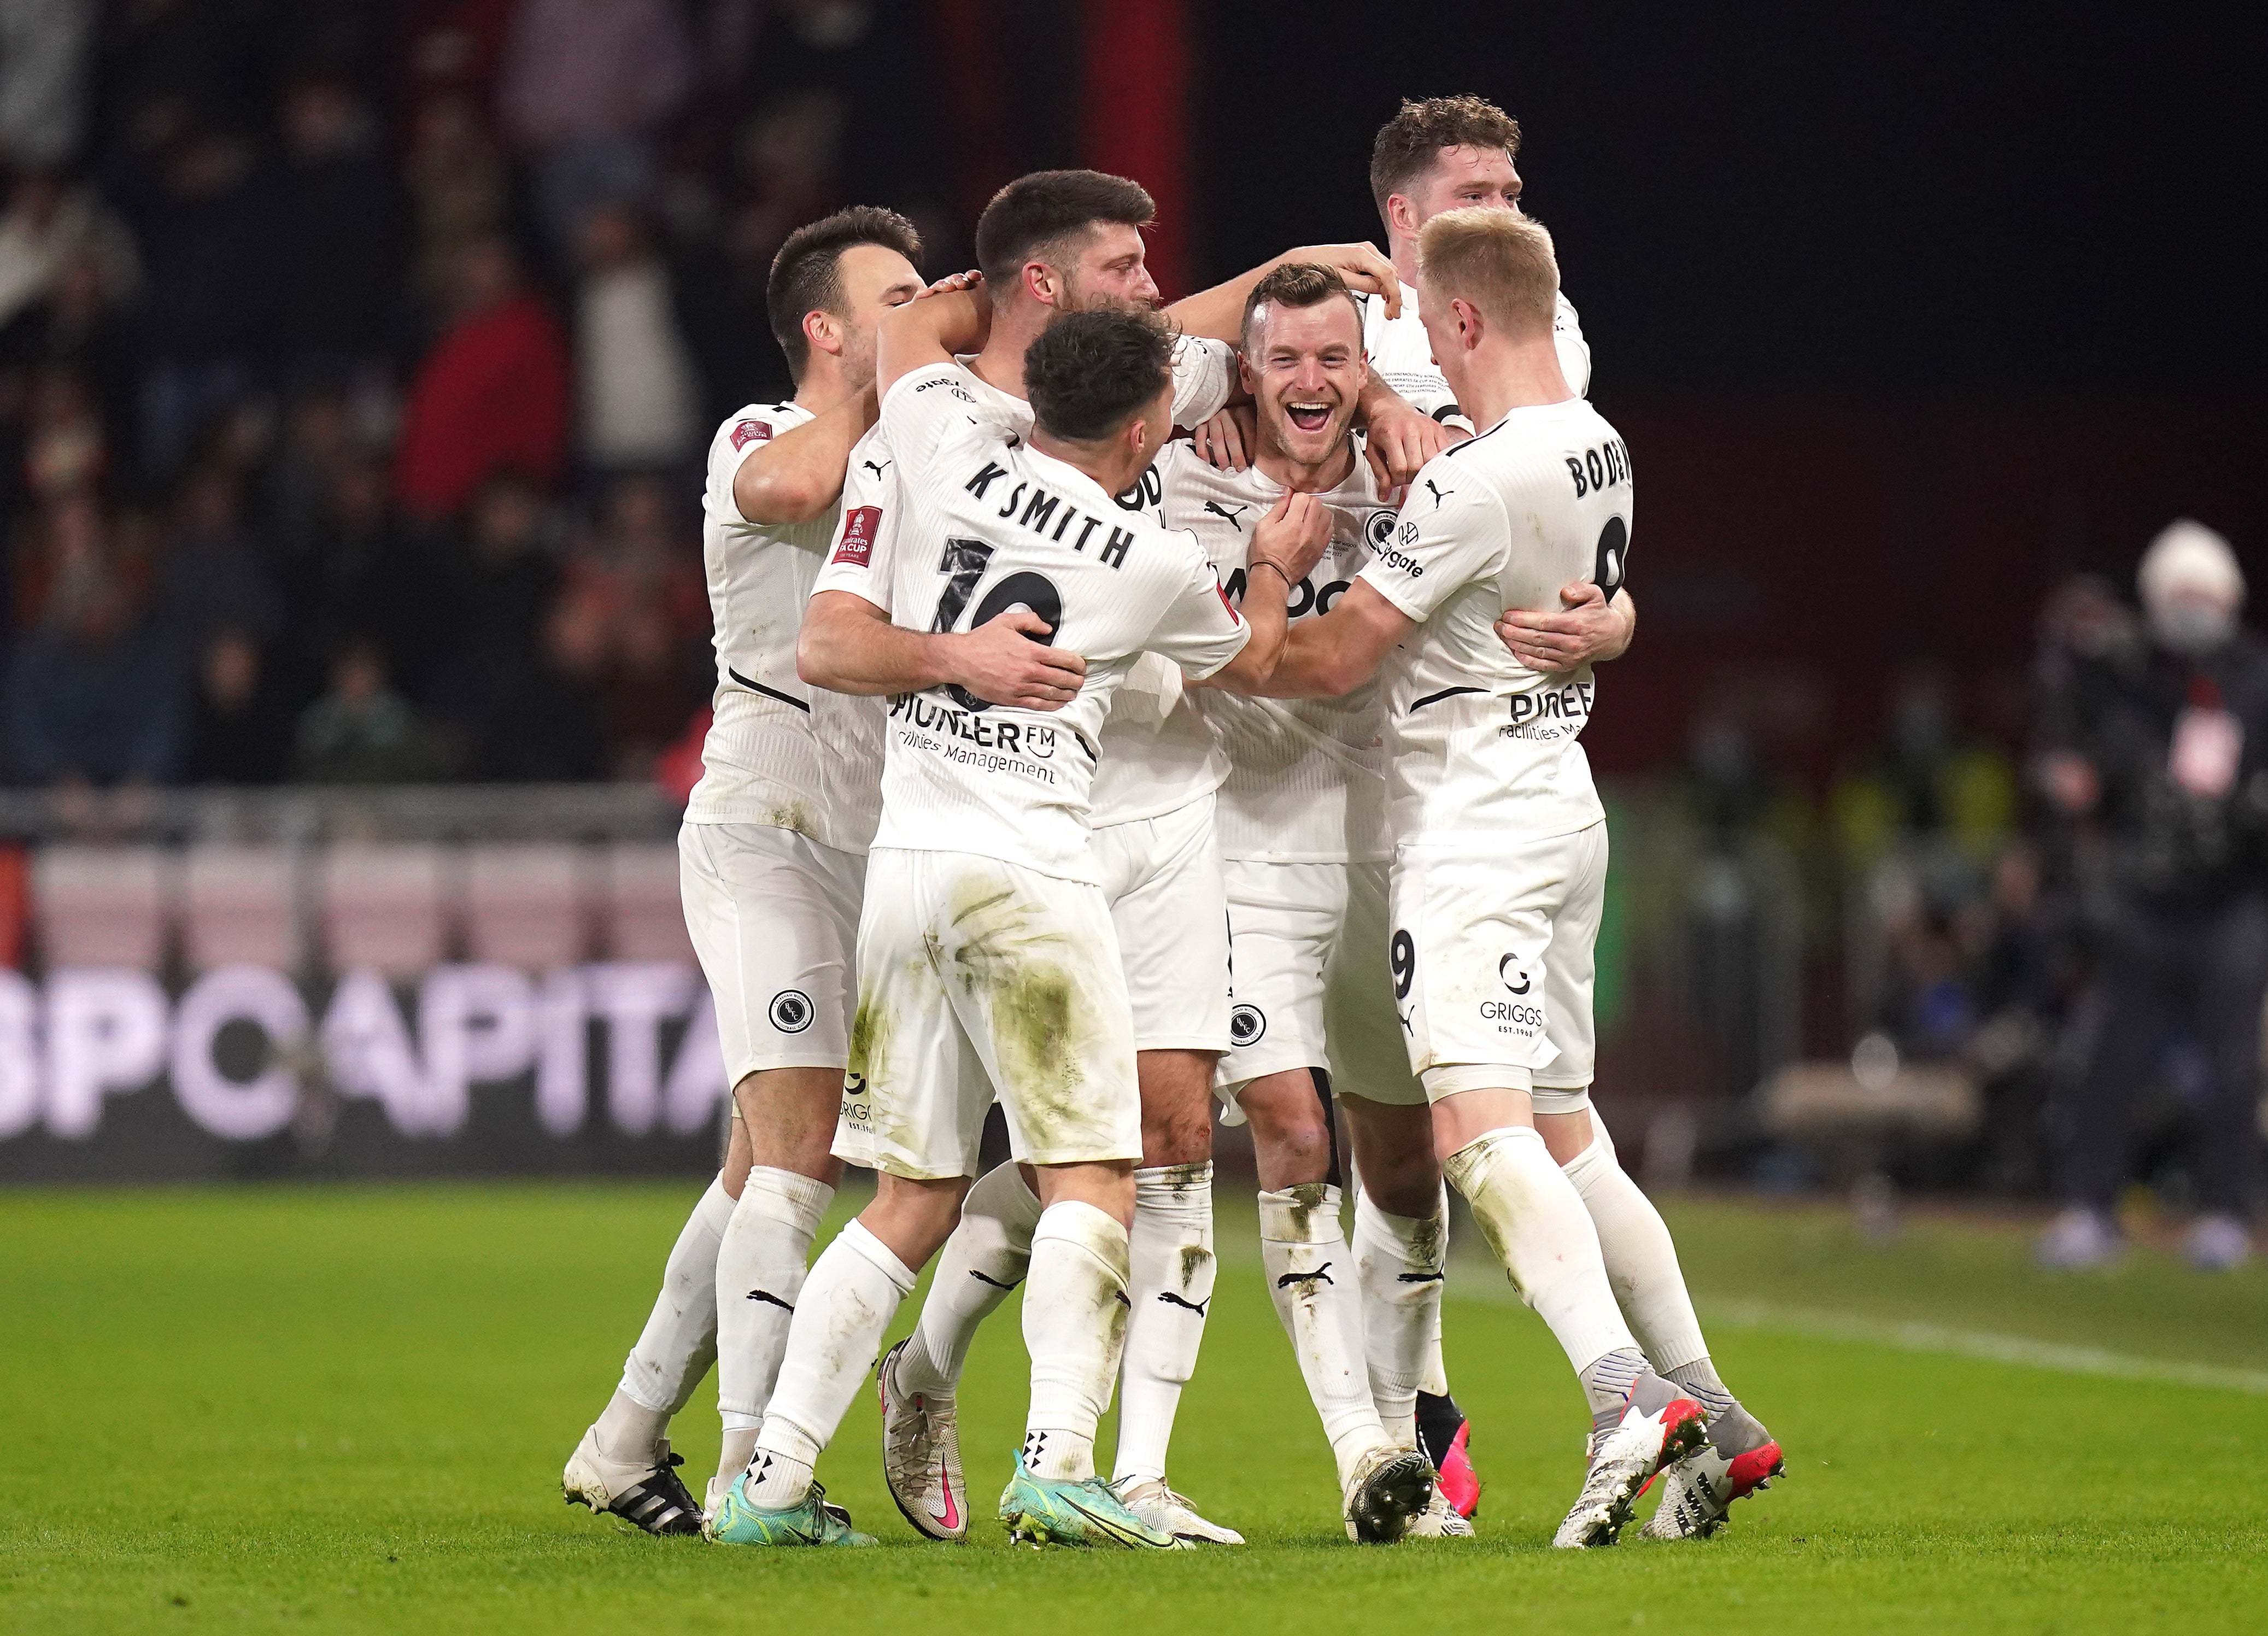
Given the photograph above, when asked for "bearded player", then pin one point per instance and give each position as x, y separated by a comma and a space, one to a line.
1050, 243
1301, 820
1500, 874
772, 856
991, 966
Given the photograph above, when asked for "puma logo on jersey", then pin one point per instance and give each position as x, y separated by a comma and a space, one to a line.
1231, 513
1439, 495
871, 466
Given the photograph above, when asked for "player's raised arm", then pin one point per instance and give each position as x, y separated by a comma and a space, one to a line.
931, 331
1398, 436
796, 475
1219, 313
1286, 545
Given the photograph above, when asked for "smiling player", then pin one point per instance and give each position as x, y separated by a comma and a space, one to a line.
1500, 872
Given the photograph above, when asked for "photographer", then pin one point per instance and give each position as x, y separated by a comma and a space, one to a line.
2157, 758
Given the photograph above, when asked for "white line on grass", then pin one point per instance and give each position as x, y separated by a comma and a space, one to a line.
1477, 1283
1937, 1337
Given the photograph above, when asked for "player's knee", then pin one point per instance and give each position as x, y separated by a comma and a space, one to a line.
1177, 1137
1291, 1137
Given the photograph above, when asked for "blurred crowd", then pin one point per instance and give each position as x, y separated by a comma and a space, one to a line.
2062, 899
357, 362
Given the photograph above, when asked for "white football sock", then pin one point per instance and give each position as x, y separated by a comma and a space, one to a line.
988, 1255
1434, 1382
1312, 1279
679, 1339
848, 1301
760, 1270
1536, 1222
1169, 1281
1075, 1327
1398, 1260
1641, 1259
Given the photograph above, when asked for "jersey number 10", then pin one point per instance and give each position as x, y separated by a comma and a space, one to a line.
963, 566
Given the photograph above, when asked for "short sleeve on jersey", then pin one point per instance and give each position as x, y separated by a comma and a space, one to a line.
1451, 532
855, 560
926, 405
1574, 351
1204, 374
1199, 631
737, 439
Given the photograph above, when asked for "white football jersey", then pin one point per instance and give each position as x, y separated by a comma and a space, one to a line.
989, 523
1307, 777
1481, 744
778, 752
1157, 754
1402, 355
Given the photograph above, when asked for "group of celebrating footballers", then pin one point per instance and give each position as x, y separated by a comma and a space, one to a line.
1066, 763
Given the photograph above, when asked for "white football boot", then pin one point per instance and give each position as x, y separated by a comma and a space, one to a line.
1441, 1519
1661, 1427
648, 1492
1737, 1458
921, 1455
1170, 1513
1389, 1490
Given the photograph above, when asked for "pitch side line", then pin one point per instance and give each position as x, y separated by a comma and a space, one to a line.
1820, 1324
1937, 1337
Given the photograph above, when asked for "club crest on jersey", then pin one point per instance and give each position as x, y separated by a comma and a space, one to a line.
751, 431
860, 525
1248, 1025
1379, 529
791, 1011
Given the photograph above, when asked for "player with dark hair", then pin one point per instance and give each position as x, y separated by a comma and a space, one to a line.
1302, 828
989, 967
1052, 243
771, 853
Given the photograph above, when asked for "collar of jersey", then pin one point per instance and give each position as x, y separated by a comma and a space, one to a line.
1061, 475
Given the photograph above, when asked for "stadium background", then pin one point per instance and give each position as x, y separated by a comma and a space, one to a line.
340, 704
356, 363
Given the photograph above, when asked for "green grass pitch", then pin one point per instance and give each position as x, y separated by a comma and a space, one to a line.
346, 1409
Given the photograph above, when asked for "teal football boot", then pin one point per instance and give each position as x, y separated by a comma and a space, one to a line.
1054, 1512
813, 1522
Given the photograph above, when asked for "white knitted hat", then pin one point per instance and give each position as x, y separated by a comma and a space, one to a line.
2189, 556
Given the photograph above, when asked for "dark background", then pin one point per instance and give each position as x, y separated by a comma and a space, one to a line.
1937, 200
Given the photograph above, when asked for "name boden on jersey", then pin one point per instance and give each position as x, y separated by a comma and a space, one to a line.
1485, 746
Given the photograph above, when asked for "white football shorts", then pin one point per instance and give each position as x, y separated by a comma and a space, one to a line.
1492, 955
984, 979
1162, 879
774, 919
1311, 986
